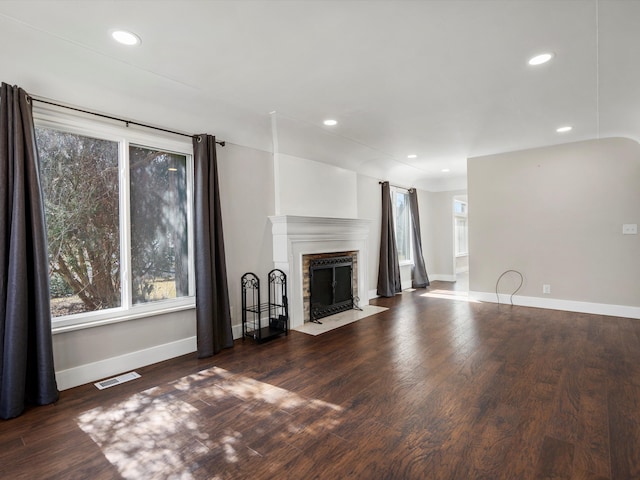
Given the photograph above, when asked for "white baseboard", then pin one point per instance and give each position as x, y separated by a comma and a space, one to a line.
92, 372
624, 311
236, 331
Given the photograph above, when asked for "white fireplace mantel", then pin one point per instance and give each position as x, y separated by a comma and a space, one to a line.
295, 236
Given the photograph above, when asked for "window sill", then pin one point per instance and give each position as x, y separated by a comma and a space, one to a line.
406, 263
99, 319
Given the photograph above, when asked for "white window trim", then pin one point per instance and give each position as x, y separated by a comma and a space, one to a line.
57, 118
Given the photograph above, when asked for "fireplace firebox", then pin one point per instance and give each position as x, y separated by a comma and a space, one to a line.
331, 286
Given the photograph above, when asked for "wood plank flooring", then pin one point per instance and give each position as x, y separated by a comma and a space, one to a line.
433, 388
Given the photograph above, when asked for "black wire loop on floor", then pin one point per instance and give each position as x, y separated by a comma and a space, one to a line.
515, 291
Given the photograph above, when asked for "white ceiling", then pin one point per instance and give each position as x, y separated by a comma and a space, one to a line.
446, 80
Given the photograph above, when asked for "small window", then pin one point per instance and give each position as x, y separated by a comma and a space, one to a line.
402, 221
159, 241
459, 207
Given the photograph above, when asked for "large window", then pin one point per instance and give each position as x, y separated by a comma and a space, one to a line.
117, 207
402, 221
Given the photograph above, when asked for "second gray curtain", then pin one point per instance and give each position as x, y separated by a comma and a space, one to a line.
213, 311
389, 267
419, 277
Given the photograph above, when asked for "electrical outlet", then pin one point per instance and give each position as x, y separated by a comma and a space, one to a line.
630, 229
546, 288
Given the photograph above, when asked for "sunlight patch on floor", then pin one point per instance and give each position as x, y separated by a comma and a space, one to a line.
160, 433
450, 295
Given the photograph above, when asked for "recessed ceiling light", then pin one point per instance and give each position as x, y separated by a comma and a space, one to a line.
445, 170
564, 129
126, 38
330, 123
413, 155
540, 59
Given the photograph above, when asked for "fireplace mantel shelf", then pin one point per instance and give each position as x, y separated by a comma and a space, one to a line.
308, 219
294, 224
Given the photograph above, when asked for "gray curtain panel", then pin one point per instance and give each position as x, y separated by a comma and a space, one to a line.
419, 277
27, 374
212, 293
389, 268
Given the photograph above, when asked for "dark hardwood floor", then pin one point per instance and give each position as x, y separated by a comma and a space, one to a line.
433, 388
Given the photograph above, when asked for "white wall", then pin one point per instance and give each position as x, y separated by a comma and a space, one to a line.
314, 189
247, 198
89, 354
555, 214
370, 208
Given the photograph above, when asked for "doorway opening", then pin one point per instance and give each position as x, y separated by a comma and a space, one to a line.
461, 242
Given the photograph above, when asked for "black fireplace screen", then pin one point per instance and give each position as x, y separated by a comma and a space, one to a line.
330, 286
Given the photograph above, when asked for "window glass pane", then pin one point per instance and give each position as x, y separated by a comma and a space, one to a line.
159, 236
459, 208
402, 220
461, 236
80, 184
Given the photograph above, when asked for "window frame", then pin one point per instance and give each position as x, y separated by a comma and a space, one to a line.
464, 216
401, 191
60, 119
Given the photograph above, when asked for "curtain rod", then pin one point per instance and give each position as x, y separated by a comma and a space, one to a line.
127, 122
396, 186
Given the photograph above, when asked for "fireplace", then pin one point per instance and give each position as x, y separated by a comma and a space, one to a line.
297, 240
330, 286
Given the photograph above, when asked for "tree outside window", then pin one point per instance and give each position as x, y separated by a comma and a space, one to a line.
159, 242
81, 195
